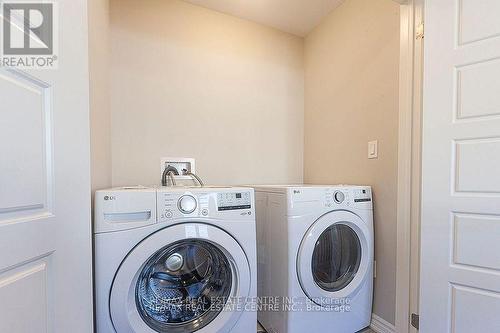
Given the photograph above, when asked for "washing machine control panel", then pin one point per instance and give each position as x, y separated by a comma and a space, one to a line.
233, 201
174, 204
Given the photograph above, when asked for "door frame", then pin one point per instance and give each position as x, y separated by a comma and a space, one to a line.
409, 163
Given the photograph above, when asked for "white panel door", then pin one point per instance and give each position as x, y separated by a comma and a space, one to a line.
460, 261
45, 228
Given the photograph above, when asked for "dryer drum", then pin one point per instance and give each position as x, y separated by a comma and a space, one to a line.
336, 258
187, 296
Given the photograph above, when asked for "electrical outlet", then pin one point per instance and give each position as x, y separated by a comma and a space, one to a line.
179, 164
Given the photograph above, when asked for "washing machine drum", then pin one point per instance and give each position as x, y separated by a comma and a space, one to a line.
184, 278
181, 283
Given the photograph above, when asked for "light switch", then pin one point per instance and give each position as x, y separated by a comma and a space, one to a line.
373, 149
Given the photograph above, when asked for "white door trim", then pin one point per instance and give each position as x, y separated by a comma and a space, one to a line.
409, 164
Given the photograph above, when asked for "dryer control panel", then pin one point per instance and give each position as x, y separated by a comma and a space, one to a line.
362, 195
349, 196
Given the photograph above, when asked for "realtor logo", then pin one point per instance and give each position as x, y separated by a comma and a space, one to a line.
28, 34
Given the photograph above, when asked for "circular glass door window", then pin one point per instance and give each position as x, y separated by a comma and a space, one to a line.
336, 257
183, 286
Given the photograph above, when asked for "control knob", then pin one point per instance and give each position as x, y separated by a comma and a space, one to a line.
187, 204
339, 197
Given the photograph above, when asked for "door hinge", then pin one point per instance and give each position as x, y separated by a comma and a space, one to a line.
420, 31
415, 320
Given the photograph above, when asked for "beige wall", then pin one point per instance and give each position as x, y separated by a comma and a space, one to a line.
351, 80
191, 82
100, 117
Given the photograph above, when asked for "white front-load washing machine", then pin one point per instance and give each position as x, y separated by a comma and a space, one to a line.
175, 260
314, 258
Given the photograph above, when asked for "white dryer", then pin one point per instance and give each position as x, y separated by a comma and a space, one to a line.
315, 258
175, 260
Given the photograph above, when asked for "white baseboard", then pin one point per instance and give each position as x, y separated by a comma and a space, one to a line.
379, 325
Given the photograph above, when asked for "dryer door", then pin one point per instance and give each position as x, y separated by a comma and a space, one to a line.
334, 258
184, 278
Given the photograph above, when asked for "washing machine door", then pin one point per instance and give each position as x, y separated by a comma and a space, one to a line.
184, 278
334, 258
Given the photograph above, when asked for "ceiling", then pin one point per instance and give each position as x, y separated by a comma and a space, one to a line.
297, 17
